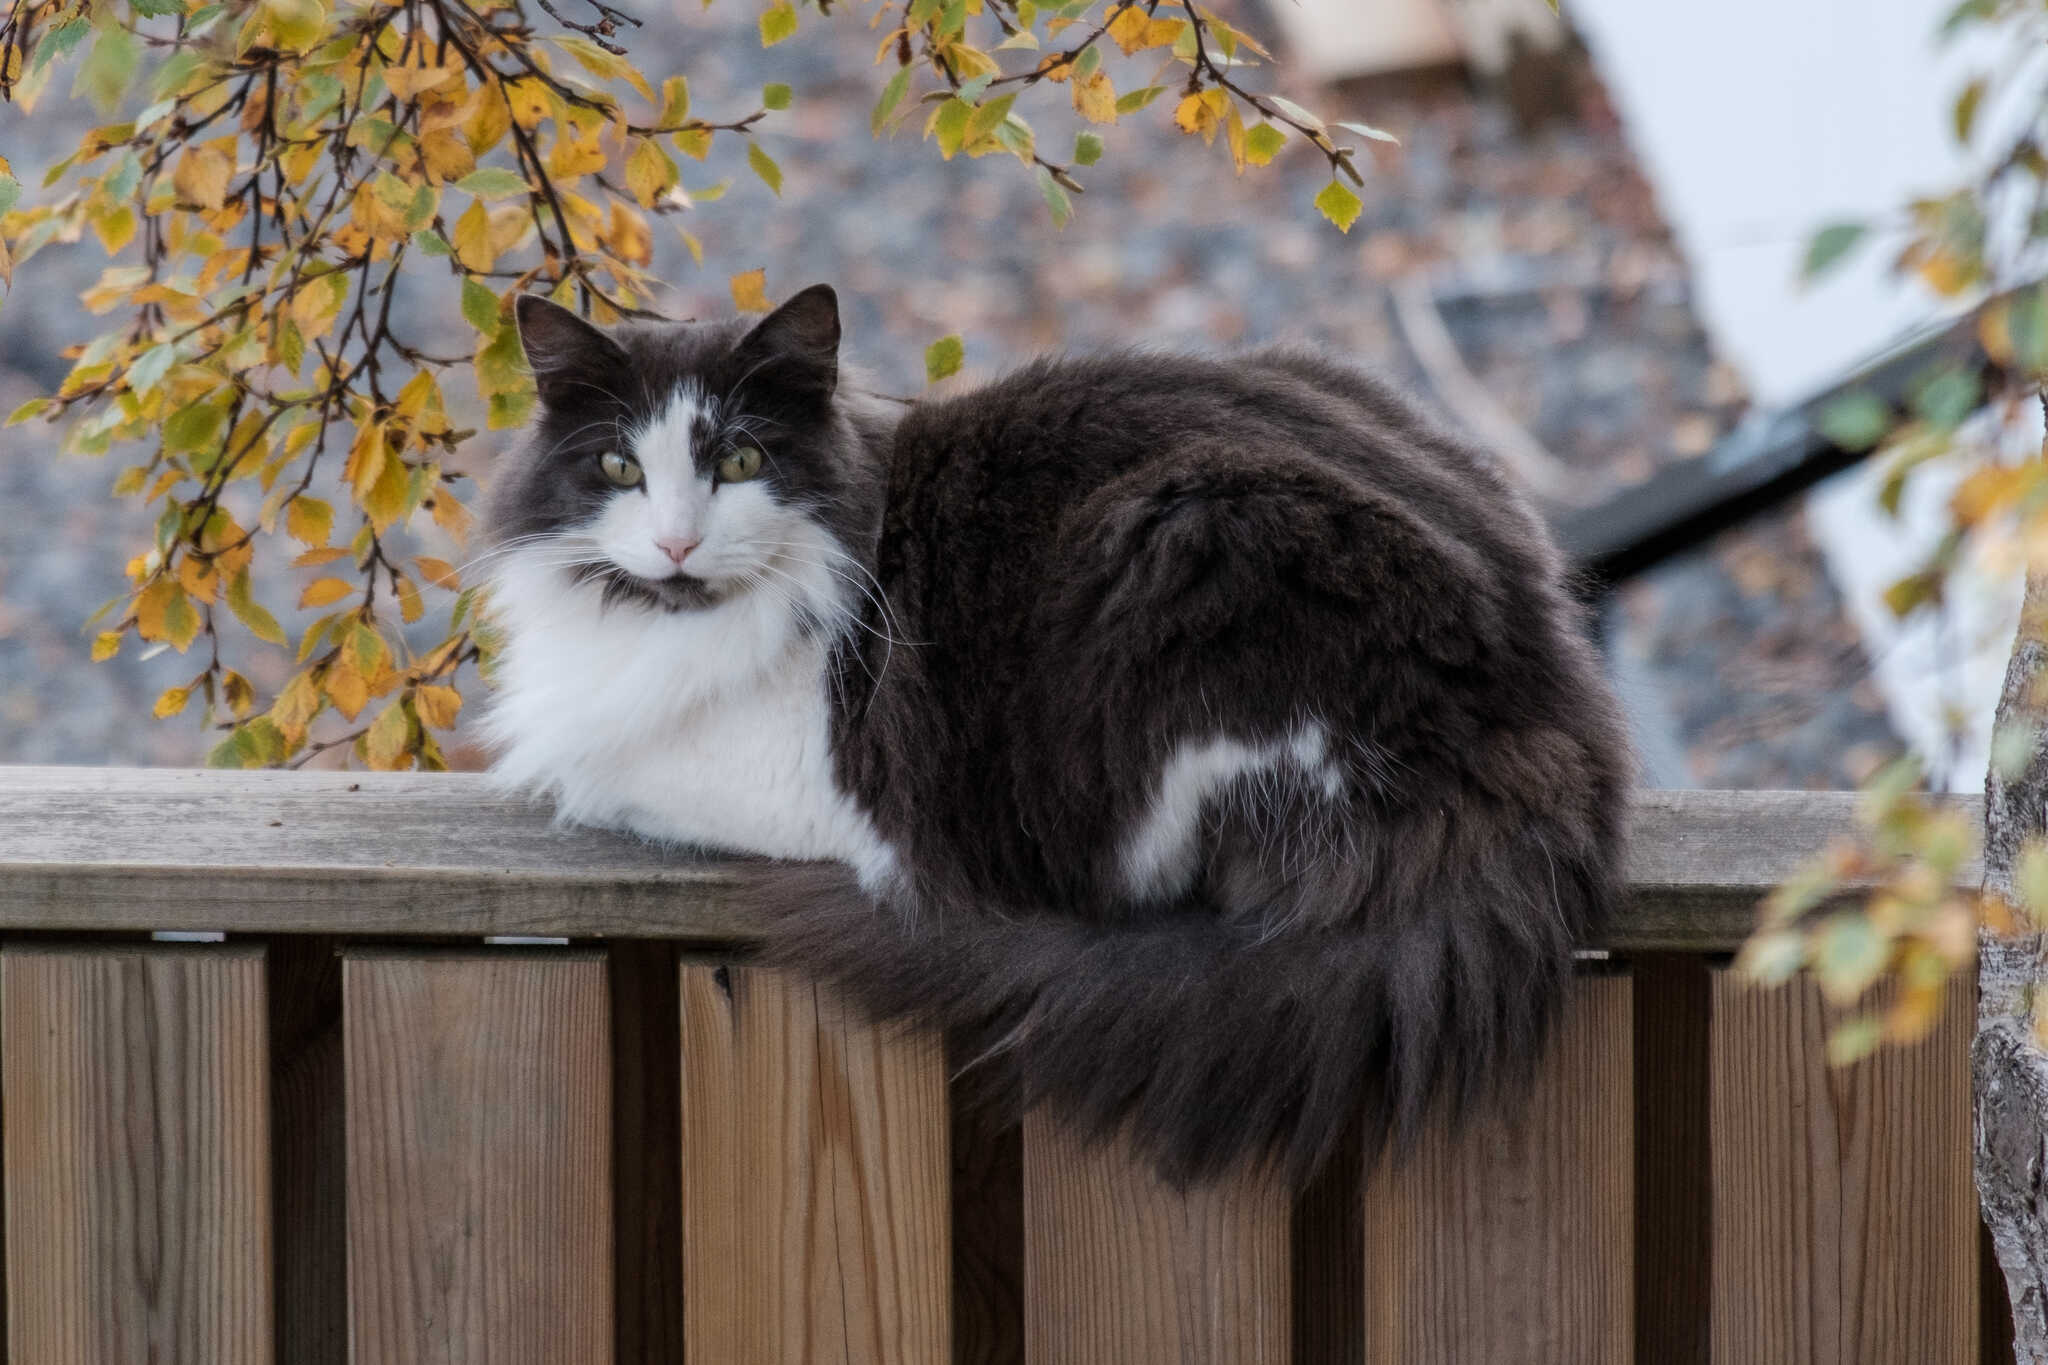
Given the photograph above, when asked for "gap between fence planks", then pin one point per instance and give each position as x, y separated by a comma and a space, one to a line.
396, 854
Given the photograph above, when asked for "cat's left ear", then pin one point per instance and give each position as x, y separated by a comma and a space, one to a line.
798, 343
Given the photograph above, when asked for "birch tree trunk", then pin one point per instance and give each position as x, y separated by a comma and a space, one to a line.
2008, 1068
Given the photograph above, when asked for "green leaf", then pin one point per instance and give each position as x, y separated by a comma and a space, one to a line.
986, 119
943, 358
431, 243
1966, 108
892, 95
480, 307
1829, 246
1087, 149
156, 9
1340, 205
949, 126
1262, 142
1848, 955
26, 411
765, 167
151, 366
777, 23
1855, 1039
493, 182
10, 190
1055, 198
2031, 879
57, 42
775, 96
1856, 421
1131, 101
250, 613
1947, 398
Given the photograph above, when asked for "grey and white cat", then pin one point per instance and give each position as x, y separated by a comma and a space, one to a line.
1214, 741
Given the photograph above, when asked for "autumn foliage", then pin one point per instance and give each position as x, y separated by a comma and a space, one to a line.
282, 170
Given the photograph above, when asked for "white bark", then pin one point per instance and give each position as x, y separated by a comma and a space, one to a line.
2009, 1070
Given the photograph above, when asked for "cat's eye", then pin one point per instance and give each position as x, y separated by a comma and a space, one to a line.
743, 464
621, 470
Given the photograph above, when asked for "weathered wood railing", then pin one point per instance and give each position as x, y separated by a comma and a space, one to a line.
354, 1131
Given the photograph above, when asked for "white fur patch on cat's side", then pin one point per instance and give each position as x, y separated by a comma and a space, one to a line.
1159, 858
707, 727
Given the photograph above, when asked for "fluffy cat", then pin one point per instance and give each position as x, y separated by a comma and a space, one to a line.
1213, 740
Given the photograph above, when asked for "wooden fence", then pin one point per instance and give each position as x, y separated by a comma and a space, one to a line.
356, 1131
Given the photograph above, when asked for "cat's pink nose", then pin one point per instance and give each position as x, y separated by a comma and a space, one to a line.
675, 547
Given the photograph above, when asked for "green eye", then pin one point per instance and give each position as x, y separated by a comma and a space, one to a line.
622, 470
741, 465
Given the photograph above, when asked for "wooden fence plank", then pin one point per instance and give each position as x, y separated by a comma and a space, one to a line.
1845, 1226
479, 1159
137, 1173
1511, 1242
815, 1208
1120, 1267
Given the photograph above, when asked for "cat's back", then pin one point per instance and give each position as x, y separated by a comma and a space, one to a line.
1040, 461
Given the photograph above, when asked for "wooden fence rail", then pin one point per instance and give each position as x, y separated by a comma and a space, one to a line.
355, 1131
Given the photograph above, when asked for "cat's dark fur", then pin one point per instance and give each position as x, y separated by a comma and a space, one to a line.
1104, 581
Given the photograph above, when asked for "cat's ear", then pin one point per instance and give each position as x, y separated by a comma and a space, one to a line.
798, 343
565, 352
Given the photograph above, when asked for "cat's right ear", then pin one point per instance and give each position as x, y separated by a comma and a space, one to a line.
565, 353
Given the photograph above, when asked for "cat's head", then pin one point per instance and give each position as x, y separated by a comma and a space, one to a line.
678, 466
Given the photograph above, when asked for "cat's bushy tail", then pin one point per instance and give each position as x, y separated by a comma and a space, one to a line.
1213, 1045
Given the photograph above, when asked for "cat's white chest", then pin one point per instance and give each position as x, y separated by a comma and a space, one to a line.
708, 728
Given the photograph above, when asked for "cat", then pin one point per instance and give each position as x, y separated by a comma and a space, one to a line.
1213, 741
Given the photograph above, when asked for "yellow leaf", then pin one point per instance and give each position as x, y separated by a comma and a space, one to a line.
487, 123
164, 612
313, 559
344, 686
649, 173
438, 705
439, 572
236, 691
309, 520
202, 176
1202, 113
198, 578
324, 591
389, 736
528, 101
749, 292
574, 156
105, 645
472, 238
172, 701
409, 605
1233, 129
446, 155
1095, 97
1133, 31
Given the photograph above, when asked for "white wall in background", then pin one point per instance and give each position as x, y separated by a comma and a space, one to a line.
1758, 122
1332, 39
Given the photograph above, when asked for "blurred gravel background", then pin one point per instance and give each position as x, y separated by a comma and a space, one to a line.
1529, 227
